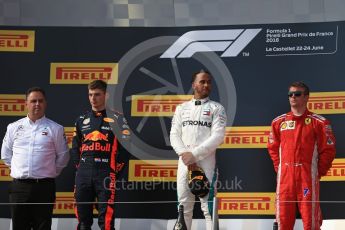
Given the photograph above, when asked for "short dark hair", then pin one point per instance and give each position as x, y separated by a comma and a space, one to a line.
201, 71
98, 84
300, 84
35, 89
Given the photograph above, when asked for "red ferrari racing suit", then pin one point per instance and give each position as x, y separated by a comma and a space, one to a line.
302, 149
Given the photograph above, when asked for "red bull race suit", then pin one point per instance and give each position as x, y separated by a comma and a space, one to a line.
95, 152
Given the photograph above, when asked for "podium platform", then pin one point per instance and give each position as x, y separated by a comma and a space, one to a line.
198, 224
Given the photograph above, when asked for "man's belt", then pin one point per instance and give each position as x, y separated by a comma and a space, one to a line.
31, 180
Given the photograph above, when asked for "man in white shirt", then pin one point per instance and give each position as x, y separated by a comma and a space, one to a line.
35, 149
197, 129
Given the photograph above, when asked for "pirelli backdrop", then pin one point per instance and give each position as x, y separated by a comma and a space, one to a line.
149, 73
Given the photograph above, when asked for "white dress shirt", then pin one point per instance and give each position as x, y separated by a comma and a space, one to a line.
35, 149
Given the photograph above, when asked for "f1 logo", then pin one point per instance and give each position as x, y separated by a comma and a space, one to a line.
231, 41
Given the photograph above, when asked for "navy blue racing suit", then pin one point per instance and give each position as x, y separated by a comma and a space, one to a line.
95, 152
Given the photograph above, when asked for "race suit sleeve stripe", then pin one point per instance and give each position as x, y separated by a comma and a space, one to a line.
274, 142
76, 145
326, 147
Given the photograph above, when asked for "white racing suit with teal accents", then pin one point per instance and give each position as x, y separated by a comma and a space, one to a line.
198, 128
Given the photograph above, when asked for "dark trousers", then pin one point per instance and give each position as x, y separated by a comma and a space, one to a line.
32, 216
90, 185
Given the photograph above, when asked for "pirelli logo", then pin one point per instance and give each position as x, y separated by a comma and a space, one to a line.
327, 102
156, 105
246, 137
246, 203
152, 170
83, 73
336, 172
12, 105
65, 203
69, 135
17, 41
4, 172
